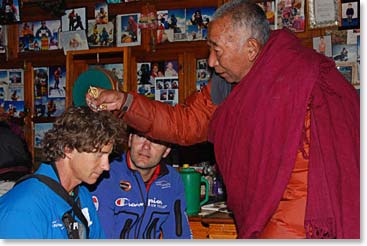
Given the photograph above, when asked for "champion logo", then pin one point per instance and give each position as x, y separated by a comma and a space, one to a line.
95, 201
123, 201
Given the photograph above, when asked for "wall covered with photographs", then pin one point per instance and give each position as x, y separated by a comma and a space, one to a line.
166, 39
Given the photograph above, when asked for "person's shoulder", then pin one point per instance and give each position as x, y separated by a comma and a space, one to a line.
173, 171
25, 194
118, 164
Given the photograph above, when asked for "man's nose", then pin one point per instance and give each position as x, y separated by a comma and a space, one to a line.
105, 164
212, 60
146, 144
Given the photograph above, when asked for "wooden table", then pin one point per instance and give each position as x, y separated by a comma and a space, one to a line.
214, 226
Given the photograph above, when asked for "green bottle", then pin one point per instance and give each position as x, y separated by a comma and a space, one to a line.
192, 181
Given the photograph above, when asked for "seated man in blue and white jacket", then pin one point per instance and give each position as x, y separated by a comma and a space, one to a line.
140, 197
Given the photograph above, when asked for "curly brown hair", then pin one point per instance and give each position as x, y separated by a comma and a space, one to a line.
84, 130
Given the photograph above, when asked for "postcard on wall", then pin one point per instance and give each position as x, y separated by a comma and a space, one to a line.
352, 36
74, 40
46, 34
117, 70
9, 12
349, 14
16, 76
144, 84
348, 70
3, 91
203, 73
16, 92
101, 13
41, 81
48, 107
197, 20
39, 132
171, 68
171, 25
26, 36
323, 45
3, 38
74, 19
269, 9
14, 108
291, 14
4, 84
57, 81
166, 90
345, 52
128, 32
100, 34
40, 35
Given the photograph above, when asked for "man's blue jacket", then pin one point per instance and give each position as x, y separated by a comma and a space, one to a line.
127, 209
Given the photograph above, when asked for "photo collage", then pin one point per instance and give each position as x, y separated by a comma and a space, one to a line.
12, 92
49, 91
183, 24
343, 46
158, 81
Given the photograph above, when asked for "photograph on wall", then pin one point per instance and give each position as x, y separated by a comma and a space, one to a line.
74, 40
46, 34
291, 14
55, 107
348, 70
39, 132
100, 34
338, 36
169, 93
269, 9
117, 70
171, 68
3, 38
9, 12
349, 14
128, 32
14, 108
26, 36
203, 73
101, 13
352, 36
171, 25
345, 52
157, 70
74, 19
144, 84
41, 81
197, 20
2, 94
16, 76
322, 45
16, 93
48, 107
57, 81
12, 92
4, 86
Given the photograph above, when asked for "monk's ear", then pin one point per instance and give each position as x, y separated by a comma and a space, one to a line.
253, 47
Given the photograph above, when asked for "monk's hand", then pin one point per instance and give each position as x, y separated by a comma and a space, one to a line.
101, 99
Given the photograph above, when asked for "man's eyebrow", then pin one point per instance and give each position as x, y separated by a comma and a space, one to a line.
210, 42
156, 141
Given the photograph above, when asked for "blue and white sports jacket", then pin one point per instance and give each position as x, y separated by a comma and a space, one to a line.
127, 210
31, 210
